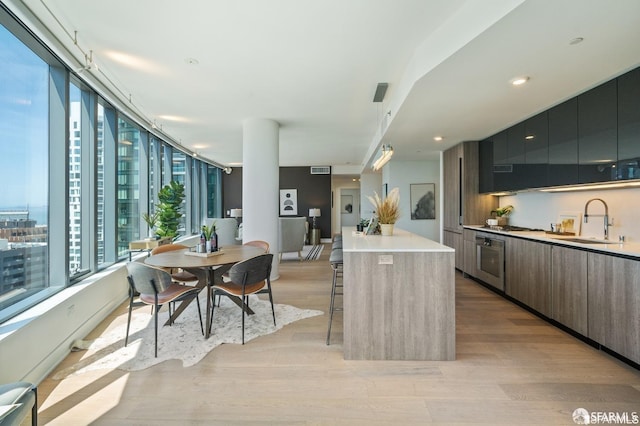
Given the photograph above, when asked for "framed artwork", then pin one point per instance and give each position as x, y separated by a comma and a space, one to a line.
570, 221
423, 201
346, 204
288, 202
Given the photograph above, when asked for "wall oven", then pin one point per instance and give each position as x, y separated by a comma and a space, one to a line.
490, 261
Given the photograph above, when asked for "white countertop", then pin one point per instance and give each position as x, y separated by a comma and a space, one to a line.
621, 249
400, 241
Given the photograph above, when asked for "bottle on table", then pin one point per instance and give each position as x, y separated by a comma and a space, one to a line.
202, 247
214, 240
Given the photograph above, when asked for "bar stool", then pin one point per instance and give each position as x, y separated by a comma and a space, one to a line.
336, 261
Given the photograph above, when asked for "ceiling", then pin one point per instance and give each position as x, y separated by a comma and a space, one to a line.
196, 69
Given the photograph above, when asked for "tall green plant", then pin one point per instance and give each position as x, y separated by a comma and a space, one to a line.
170, 209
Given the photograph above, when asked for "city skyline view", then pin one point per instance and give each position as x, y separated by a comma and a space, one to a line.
23, 127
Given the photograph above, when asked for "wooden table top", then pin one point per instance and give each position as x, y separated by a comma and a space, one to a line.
178, 259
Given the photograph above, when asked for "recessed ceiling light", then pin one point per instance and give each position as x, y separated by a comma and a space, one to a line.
576, 40
192, 61
438, 138
518, 81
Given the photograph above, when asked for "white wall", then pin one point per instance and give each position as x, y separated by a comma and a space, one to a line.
402, 174
369, 183
540, 209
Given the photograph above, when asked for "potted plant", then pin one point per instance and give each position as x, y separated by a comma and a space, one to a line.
207, 231
387, 210
151, 220
362, 225
169, 210
502, 213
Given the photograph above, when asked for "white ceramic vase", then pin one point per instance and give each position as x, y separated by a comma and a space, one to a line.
386, 229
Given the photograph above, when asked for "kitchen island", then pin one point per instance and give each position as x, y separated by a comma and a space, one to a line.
399, 297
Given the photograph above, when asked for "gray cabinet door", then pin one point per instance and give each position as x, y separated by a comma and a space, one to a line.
528, 273
569, 288
614, 303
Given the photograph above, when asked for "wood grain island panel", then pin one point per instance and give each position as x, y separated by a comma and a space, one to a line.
404, 310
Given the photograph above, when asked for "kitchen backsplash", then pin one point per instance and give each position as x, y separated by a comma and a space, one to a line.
540, 209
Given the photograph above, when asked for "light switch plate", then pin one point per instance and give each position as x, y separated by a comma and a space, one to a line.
385, 259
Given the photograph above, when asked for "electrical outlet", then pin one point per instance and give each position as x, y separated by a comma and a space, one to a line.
385, 259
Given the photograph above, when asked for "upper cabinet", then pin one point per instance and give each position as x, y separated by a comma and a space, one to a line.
594, 137
629, 125
563, 144
597, 133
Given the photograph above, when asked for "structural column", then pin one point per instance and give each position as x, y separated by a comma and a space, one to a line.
260, 184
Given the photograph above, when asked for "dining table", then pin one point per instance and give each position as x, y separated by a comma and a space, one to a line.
209, 268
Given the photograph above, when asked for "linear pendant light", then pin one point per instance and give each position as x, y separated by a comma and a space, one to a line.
387, 152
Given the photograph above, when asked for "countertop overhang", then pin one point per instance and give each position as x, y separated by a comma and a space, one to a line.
400, 241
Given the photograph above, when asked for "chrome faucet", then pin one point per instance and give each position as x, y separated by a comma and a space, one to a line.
605, 216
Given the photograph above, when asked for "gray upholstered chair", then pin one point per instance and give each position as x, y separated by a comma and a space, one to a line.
26, 396
292, 235
227, 229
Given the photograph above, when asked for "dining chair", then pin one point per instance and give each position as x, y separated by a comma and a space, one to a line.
177, 274
255, 243
258, 243
157, 288
251, 276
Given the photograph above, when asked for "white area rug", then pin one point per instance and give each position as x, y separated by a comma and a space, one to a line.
305, 252
183, 340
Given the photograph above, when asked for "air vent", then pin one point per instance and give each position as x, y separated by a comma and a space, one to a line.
503, 168
320, 170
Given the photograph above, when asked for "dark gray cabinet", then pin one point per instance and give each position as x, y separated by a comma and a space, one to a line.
629, 126
536, 151
594, 137
598, 133
563, 144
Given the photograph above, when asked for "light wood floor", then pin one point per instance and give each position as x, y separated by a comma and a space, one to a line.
511, 368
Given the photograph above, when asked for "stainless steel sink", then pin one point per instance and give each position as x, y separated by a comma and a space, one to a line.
584, 240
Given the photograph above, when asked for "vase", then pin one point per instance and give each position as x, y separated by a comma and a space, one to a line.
386, 228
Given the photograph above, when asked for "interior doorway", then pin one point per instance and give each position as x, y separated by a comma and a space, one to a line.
349, 206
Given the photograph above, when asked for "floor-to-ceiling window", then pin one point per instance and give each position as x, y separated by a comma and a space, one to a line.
178, 174
213, 192
77, 174
24, 172
128, 210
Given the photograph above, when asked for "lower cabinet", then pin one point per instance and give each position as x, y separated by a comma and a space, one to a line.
469, 252
454, 240
528, 273
569, 288
594, 294
614, 303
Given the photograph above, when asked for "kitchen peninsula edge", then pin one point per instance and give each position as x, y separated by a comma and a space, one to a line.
399, 297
